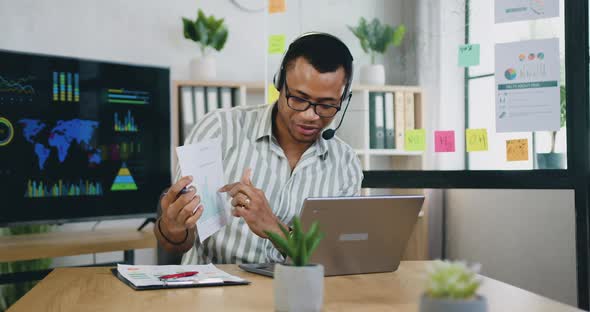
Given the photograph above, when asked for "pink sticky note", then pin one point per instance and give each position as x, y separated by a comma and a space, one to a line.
444, 141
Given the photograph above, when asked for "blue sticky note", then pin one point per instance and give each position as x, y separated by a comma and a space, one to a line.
468, 55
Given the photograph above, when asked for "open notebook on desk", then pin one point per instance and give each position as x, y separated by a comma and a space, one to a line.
144, 277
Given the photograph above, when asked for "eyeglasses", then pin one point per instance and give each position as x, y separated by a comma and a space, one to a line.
298, 104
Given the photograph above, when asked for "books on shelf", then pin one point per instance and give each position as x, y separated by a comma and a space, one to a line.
390, 114
196, 101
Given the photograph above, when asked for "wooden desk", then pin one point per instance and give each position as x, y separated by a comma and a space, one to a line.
61, 244
96, 289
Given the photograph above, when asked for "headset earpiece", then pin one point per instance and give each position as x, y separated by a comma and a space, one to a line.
277, 78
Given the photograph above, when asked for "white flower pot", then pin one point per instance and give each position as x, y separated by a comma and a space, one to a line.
428, 304
373, 74
203, 68
298, 289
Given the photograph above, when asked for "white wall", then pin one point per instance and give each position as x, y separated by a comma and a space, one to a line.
522, 237
150, 32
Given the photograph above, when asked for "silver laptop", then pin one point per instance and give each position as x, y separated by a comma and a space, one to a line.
362, 234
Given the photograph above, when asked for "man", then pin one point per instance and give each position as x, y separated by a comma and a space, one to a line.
274, 155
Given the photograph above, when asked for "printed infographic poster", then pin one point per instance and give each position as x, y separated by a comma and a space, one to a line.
527, 86
521, 10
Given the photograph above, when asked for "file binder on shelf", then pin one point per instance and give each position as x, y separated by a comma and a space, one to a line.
399, 119
225, 97
409, 118
389, 121
211, 99
376, 121
187, 111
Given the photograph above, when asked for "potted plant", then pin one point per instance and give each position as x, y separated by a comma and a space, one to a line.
375, 38
298, 286
209, 33
553, 160
452, 286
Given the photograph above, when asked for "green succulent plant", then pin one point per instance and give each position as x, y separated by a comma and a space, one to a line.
207, 31
375, 37
298, 245
452, 280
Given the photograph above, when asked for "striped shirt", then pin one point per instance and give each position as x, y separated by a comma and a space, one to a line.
326, 168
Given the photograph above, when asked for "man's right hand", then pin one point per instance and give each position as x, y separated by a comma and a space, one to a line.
180, 213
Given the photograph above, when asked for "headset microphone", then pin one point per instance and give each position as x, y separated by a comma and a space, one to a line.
328, 134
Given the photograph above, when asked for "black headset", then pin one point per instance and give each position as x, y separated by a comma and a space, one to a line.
279, 77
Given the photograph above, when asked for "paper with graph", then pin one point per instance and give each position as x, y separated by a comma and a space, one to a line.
203, 161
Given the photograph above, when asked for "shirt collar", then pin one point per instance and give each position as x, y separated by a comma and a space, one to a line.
265, 126
265, 130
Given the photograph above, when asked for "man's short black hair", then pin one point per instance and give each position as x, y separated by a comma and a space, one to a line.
324, 52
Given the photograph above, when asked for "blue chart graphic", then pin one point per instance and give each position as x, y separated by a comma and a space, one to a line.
127, 125
66, 87
16, 91
61, 137
124, 181
39, 189
123, 96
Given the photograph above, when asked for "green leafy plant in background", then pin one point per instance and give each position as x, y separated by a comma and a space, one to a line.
10, 293
299, 246
376, 37
207, 31
562, 115
452, 280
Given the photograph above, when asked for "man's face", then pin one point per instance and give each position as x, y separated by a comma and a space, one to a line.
305, 82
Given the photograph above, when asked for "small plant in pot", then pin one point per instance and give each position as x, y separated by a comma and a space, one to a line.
298, 286
452, 286
210, 33
375, 38
553, 160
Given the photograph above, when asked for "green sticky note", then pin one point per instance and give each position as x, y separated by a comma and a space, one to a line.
476, 140
276, 44
468, 55
415, 140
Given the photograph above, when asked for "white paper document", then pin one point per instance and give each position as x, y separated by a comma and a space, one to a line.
149, 275
527, 86
520, 10
203, 161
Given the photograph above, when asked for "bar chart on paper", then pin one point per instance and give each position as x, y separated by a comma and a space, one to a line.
208, 199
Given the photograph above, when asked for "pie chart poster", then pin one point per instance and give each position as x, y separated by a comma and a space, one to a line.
527, 75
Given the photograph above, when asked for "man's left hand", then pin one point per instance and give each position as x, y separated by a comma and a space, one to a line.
251, 204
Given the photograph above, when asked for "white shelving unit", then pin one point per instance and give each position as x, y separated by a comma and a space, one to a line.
354, 130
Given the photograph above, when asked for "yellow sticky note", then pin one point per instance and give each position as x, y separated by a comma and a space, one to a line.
276, 6
517, 150
272, 93
276, 44
415, 140
476, 140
